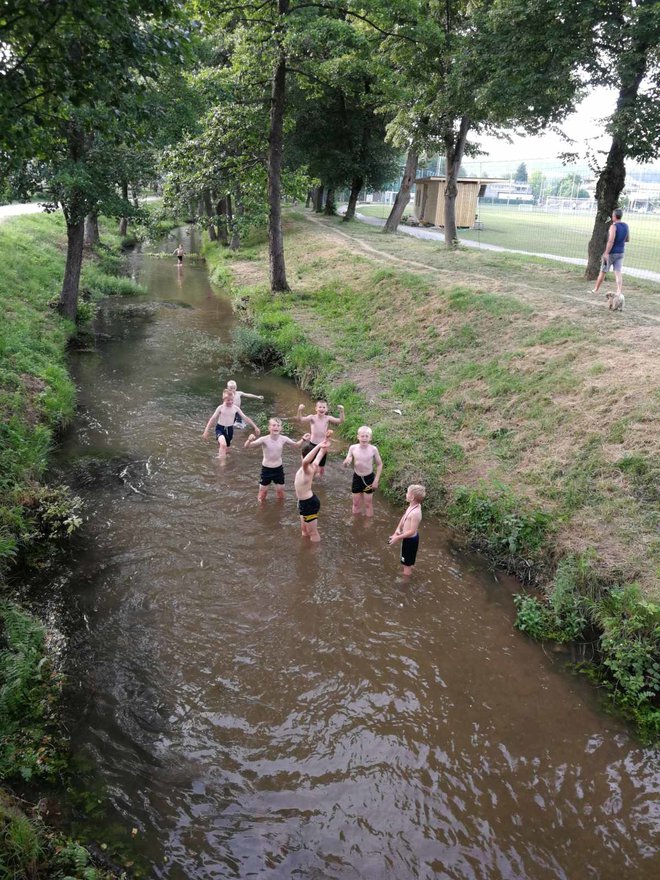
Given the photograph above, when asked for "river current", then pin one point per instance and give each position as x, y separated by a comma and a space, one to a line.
256, 707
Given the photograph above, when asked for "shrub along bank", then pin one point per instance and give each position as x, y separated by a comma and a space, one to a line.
506, 407
37, 397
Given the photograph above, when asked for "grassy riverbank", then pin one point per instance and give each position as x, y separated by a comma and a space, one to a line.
524, 405
37, 397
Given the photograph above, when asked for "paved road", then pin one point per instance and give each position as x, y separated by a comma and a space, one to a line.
437, 235
16, 210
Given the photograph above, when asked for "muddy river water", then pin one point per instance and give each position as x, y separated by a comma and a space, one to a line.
256, 707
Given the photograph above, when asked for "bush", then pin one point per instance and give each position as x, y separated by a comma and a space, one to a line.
506, 532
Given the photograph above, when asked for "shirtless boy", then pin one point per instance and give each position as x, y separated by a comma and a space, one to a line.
308, 504
223, 420
272, 469
319, 421
179, 252
238, 395
363, 455
406, 531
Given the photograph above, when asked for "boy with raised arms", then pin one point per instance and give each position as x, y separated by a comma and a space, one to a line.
272, 469
223, 420
364, 455
319, 421
308, 504
406, 531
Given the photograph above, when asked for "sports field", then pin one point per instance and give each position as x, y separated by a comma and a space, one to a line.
566, 235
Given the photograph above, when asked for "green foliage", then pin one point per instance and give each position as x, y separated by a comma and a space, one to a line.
21, 847
28, 690
627, 634
500, 524
101, 284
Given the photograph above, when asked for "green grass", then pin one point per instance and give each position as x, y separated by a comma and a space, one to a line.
566, 235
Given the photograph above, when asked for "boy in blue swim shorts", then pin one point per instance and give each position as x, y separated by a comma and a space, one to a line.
223, 421
406, 532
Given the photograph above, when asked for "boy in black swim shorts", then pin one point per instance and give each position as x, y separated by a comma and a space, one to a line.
406, 531
272, 469
365, 456
308, 504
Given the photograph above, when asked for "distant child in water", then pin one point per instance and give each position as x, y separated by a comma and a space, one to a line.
223, 420
364, 455
179, 252
231, 385
406, 531
319, 421
272, 469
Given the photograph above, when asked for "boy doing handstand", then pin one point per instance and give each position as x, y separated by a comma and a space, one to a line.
223, 419
308, 504
319, 421
272, 469
363, 455
406, 531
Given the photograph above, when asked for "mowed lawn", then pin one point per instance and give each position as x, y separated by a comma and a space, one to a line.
566, 235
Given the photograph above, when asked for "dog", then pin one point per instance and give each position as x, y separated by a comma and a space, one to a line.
616, 300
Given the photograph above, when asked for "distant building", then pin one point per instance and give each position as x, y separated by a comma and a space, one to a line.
509, 191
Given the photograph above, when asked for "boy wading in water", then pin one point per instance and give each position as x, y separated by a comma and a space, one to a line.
406, 531
178, 252
238, 396
272, 469
365, 481
308, 504
223, 419
319, 422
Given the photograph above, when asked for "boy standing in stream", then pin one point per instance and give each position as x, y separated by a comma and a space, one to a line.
319, 421
308, 504
364, 456
223, 420
406, 531
272, 468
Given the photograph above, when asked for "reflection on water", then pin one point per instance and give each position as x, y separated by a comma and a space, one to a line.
258, 707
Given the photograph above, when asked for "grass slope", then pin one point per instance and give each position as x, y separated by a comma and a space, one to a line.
527, 408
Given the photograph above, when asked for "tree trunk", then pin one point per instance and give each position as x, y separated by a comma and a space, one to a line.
318, 199
613, 176
221, 211
278, 282
330, 206
123, 223
208, 210
356, 186
455, 149
91, 236
308, 200
403, 196
68, 303
235, 242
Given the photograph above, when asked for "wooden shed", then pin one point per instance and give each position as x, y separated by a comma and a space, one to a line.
430, 200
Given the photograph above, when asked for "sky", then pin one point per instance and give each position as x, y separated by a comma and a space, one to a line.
585, 127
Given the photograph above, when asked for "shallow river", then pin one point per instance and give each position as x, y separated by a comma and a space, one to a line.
258, 707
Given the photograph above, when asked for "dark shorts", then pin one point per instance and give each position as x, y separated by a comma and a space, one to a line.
308, 448
409, 550
227, 433
309, 508
238, 421
363, 484
272, 475
179, 258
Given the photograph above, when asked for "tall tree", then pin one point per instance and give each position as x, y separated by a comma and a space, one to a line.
626, 56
